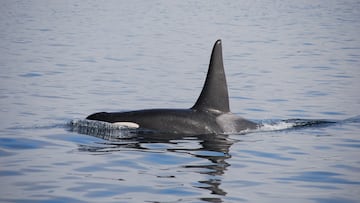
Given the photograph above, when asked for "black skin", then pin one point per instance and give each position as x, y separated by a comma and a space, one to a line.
186, 121
209, 115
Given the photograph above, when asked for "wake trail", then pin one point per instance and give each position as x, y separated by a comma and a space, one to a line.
292, 124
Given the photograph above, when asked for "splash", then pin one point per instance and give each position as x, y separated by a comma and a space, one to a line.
293, 124
101, 129
281, 125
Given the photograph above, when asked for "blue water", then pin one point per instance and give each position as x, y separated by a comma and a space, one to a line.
61, 61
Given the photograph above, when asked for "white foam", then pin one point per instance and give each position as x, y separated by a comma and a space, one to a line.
104, 130
276, 126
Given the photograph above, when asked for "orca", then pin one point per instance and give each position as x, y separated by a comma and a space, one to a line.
209, 115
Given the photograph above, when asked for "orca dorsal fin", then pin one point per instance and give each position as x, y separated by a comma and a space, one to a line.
214, 95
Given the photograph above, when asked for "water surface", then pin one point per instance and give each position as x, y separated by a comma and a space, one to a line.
61, 61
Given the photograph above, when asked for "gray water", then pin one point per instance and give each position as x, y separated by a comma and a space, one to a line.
61, 61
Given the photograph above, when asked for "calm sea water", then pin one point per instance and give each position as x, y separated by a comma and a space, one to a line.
61, 61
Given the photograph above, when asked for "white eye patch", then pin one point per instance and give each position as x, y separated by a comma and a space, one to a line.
127, 124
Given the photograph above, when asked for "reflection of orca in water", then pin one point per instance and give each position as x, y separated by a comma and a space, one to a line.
211, 150
210, 114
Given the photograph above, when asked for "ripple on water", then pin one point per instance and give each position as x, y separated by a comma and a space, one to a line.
320, 177
22, 143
